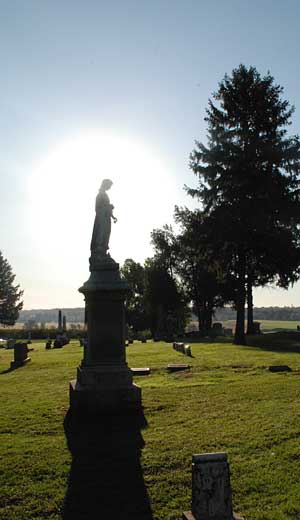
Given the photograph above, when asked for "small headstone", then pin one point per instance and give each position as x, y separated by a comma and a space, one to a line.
187, 350
57, 343
211, 491
48, 344
10, 343
176, 368
20, 355
280, 368
256, 327
179, 347
145, 371
60, 341
217, 329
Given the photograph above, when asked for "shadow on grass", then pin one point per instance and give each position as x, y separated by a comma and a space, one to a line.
11, 369
106, 478
6, 371
207, 339
281, 341
276, 342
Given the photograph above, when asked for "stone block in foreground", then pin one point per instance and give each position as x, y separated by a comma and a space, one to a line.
211, 491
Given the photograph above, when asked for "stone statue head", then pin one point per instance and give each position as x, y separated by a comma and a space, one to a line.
106, 184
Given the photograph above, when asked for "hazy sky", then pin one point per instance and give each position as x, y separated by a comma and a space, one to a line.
95, 89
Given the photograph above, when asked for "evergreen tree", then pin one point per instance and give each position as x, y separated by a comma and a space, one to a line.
10, 294
249, 184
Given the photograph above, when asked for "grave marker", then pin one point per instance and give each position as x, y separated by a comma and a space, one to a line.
211, 491
20, 355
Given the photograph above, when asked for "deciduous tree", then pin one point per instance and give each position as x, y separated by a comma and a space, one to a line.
166, 302
135, 307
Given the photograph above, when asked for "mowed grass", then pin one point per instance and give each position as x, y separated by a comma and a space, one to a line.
268, 325
228, 401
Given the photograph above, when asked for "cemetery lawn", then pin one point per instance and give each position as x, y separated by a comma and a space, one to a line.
228, 401
268, 325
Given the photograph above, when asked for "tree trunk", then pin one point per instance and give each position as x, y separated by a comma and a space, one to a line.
199, 317
239, 336
250, 320
208, 315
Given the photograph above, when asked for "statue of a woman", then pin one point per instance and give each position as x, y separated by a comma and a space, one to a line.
102, 224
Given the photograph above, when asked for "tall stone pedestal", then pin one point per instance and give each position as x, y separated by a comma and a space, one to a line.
104, 381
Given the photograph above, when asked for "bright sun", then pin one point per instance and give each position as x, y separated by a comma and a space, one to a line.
65, 183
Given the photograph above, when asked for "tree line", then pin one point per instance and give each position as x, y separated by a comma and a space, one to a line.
76, 315
73, 315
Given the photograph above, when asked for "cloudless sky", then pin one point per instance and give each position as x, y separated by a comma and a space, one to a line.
117, 89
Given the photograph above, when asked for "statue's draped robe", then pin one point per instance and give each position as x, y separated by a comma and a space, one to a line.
102, 225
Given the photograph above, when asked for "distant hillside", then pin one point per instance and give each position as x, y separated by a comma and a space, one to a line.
75, 315
262, 313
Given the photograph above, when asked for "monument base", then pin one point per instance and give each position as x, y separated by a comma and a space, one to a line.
188, 515
92, 401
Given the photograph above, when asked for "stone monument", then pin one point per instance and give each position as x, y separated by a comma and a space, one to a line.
104, 380
20, 355
211, 491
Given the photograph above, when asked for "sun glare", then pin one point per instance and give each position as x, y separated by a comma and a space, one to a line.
65, 183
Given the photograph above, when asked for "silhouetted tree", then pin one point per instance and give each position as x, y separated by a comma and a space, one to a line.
187, 257
135, 307
249, 183
10, 294
165, 247
208, 284
165, 301
155, 300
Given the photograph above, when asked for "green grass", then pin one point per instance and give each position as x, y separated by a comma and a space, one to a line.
229, 401
268, 325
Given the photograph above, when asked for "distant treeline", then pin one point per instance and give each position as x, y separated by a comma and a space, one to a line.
75, 315
262, 313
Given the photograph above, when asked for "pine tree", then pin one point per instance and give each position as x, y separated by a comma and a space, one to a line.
249, 183
10, 294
